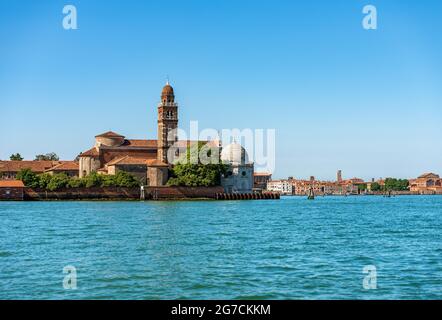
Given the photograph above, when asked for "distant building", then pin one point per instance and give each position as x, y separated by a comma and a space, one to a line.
302, 187
11, 190
339, 176
283, 187
428, 183
69, 168
339, 187
260, 180
9, 169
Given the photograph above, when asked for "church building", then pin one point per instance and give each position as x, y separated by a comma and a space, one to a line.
148, 160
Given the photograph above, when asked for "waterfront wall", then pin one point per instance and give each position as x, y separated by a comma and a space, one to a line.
120, 193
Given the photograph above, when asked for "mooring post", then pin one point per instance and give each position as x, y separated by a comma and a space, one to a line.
142, 194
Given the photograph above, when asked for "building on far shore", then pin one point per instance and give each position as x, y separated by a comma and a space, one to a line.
300, 187
283, 186
260, 180
428, 183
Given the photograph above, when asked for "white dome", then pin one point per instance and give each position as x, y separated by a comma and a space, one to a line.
234, 154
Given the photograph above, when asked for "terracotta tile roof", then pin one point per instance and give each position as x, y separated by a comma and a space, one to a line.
127, 160
140, 143
93, 152
65, 166
109, 134
262, 174
11, 184
428, 175
156, 163
35, 166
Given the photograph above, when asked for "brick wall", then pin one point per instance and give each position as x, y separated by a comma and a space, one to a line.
116, 193
10, 193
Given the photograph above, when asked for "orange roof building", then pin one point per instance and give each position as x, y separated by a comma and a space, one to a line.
11, 190
9, 169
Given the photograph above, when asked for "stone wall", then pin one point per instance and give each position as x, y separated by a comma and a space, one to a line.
11, 193
118, 193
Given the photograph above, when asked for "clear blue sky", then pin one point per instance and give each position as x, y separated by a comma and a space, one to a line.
339, 96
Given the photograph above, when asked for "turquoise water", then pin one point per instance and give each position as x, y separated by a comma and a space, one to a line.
287, 249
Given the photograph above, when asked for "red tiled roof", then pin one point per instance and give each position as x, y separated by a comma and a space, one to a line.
127, 160
428, 175
156, 163
11, 184
262, 174
140, 143
65, 166
93, 152
35, 166
109, 134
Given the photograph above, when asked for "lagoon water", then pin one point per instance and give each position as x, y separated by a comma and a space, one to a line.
269, 249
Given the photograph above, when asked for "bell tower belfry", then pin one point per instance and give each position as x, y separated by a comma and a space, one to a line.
167, 122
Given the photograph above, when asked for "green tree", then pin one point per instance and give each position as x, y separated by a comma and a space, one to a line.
76, 183
44, 180
195, 175
93, 180
29, 178
375, 186
16, 157
52, 156
58, 181
187, 173
392, 184
124, 179
108, 181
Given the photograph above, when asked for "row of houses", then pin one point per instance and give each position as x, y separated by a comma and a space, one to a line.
302, 187
428, 183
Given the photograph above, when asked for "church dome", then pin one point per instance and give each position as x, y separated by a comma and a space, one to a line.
167, 90
234, 154
167, 95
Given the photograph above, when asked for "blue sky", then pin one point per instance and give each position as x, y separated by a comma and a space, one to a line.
339, 96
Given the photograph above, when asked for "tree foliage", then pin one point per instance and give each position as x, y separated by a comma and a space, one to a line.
52, 156
190, 174
16, 157
195, 175
392, 184
61, 180
29, 178
375, 186
58, 181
